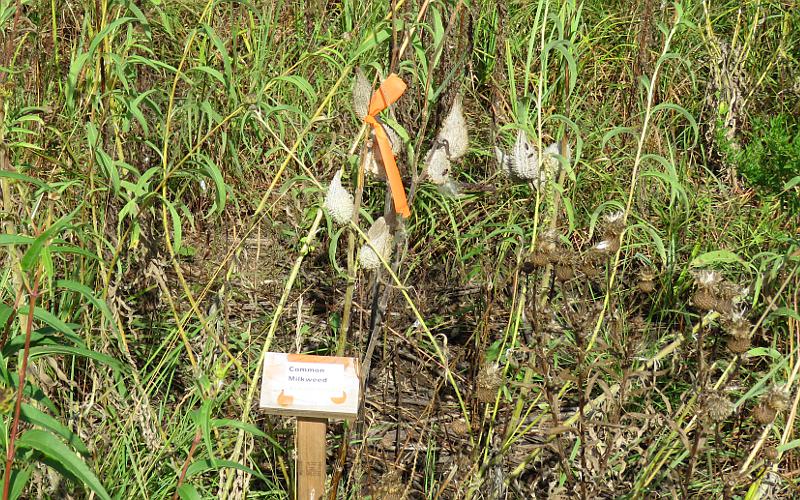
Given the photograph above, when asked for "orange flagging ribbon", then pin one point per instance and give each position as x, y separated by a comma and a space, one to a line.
390, 91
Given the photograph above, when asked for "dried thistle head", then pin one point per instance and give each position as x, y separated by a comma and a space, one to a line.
647, 280
362, 91
453, 132
564, 269
777, 398
738, 345
707, 279
488, 382
613, 224
764, 414
607, 246
737, 325
381, 239
717, 407
338, 201
390, 486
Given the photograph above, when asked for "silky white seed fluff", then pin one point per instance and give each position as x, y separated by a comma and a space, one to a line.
338, 202
362, 91
454, 131
381, 239
438, 166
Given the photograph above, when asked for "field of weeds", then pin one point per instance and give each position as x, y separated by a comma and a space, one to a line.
561, 236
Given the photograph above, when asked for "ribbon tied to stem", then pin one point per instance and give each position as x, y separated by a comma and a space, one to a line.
389, 92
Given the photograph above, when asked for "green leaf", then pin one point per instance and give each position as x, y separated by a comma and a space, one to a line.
789, 446
34, 416
46, 350
62, 459
87, 293
19, 479
188, 492
716, 257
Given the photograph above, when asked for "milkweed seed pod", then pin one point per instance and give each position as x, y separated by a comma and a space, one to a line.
437, 166
705, 297
371, 165
488, 383
525, 159
338, 202
453, 132
381, 239
646, 281
717, 407
777, 399
764, 414
550, 163
362, 91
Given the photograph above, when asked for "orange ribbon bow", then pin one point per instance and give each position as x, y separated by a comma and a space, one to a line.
390, 91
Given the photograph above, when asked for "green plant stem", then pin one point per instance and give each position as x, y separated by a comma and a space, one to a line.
23, 367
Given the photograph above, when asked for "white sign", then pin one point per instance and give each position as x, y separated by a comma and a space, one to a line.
305, 385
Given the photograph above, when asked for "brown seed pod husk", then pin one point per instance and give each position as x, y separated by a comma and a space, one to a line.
647, 286
777, 399
764, 414
704, 300
488, 383
738, 345
770, 453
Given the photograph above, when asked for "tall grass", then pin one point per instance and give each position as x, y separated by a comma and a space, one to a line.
163, 167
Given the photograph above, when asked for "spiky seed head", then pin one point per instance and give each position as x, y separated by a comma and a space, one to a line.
646, 280
717, 407
550, 163
381, 239
459, 427
362, 91
488, 382
564, 269
607, 246
338, 202
704, 300
454, 131
770, 453
738, 345
777, 399
706, 278
437, 166
390, 486
737, 325
764, 414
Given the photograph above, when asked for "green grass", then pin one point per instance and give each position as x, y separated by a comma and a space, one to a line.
163, 167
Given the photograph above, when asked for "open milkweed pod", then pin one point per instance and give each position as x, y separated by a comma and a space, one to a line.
453, 132
338, 202
371, 164
437, 166
381, 239
362, 90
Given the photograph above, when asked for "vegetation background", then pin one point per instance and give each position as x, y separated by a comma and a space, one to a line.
626, 328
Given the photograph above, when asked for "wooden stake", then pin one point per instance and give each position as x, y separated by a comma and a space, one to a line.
311, 457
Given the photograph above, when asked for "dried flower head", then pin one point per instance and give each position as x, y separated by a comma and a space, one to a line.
738, 345
488, 382
717, 407
707, 279
338, 202
647, 280
362, 91
737, 325
607, 246
389, 486
453, 133
613, 224
381, 239
437, 166
764, 414
564, 268
777, 399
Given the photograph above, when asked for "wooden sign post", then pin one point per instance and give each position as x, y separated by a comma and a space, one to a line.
314, 389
